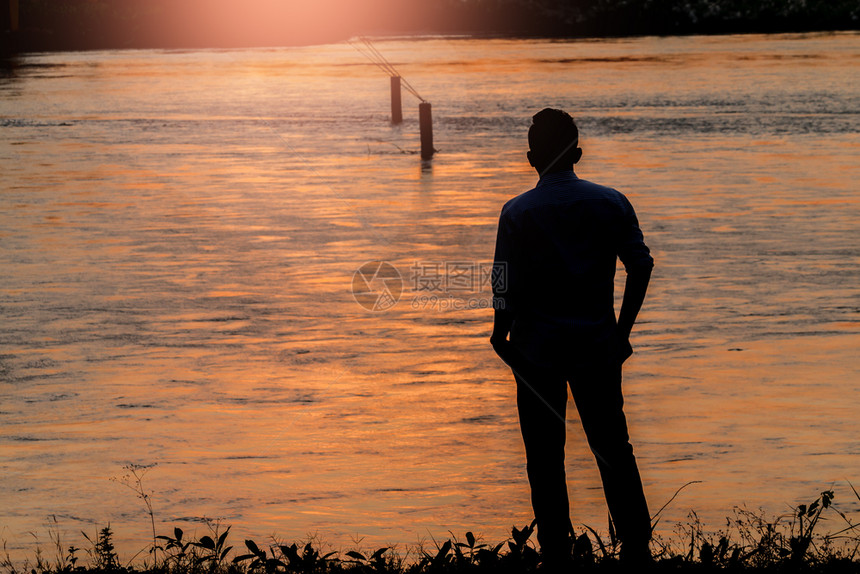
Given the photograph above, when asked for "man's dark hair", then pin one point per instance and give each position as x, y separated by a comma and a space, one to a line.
553, 137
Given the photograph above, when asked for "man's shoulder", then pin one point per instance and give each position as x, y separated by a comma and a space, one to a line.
518, 202
589, 190
563, 192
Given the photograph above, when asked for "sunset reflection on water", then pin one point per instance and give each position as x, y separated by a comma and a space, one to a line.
179, 233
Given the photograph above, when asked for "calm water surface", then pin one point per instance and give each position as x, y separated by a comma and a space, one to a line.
179, 233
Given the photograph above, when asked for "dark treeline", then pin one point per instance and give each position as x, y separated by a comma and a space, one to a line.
98, 24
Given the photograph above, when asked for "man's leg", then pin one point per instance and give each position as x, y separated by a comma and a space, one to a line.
541, 402
597, 392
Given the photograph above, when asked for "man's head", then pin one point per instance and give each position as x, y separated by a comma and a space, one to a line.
553, 141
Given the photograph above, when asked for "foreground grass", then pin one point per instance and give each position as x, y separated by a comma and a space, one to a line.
750, 543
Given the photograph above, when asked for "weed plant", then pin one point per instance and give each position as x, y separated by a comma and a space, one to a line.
751, 542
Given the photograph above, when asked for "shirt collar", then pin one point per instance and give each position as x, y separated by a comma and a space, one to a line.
556, 177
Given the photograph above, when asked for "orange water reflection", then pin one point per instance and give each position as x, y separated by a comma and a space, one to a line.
178, 264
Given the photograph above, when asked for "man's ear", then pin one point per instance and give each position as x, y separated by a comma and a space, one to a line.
530, 158
577, 155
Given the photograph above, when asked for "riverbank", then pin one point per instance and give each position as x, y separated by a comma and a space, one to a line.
127, 24
751, 542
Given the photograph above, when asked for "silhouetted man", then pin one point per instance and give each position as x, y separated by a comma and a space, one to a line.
555, 261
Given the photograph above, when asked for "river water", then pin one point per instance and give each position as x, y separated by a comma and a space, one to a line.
180, 233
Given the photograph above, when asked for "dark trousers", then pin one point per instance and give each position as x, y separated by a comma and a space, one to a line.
595, 383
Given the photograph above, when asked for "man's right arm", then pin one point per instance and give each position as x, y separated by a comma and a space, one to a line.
634, 295
637, 260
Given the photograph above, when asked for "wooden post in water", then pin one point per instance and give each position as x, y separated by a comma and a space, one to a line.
396, 108
13, 15
425, 127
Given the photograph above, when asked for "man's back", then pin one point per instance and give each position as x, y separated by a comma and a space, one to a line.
560, 241
559, 244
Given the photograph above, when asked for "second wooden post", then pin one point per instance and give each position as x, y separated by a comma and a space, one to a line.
425, 126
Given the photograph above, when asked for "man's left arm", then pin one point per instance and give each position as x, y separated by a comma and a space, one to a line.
503, 269
502, 322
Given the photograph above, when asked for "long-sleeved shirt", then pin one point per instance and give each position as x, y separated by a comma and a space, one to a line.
556, 254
